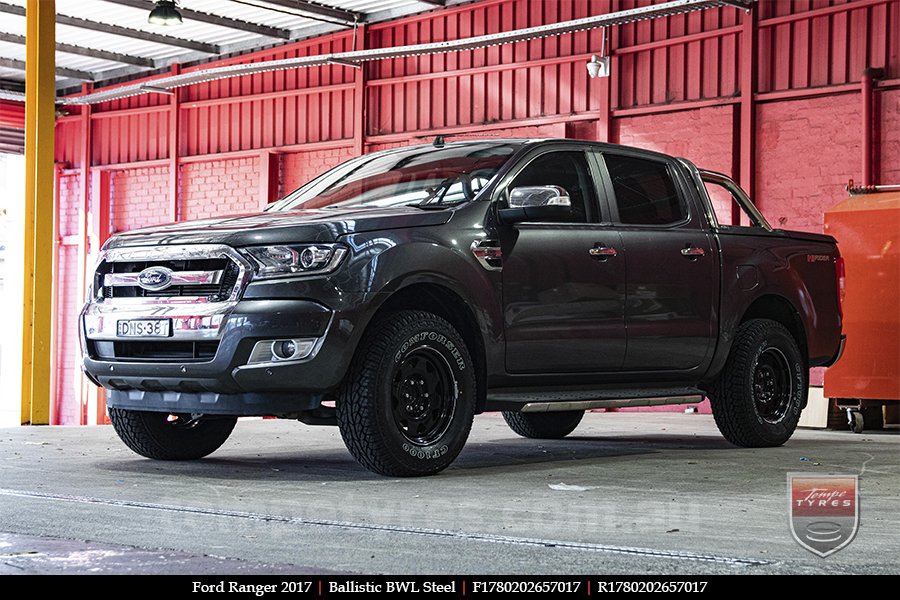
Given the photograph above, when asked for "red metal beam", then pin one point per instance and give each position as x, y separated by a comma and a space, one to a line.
656, 109
819, 12
887, 84
197, 158
137, 164
126, 112
830, 90
388, 138
681, 39
320, 89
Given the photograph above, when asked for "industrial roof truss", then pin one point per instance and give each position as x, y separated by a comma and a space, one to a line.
355, 58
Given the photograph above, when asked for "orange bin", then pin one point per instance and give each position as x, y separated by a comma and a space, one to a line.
867, 228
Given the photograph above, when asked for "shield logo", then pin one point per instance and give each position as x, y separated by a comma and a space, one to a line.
155, 278
824, 511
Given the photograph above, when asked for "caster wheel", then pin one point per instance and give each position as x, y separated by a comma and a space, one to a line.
856, 421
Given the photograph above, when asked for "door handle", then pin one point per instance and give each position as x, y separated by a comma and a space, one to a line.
693, 253
603, 252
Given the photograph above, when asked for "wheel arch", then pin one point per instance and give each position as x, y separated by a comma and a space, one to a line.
779, 309
446, 303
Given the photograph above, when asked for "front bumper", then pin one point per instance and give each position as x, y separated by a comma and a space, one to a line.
235, 327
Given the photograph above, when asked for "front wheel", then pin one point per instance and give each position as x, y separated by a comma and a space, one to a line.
163, 436
758, 397
407, 405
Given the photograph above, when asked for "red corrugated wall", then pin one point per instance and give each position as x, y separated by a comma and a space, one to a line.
683, 84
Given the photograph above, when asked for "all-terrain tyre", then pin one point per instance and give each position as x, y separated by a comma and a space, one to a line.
757, 398
407, 405
162, 436
546, 425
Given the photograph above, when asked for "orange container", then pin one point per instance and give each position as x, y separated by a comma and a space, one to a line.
867, 228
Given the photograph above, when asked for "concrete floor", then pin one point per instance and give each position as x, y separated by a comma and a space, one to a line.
663, 493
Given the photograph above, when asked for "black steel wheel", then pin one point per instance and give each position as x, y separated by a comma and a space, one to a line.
407, 405
423, 396
163, 436
772, 385
759, 394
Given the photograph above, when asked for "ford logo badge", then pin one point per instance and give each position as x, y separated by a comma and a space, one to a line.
155, 279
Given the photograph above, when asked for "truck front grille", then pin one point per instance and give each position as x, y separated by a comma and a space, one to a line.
118, 279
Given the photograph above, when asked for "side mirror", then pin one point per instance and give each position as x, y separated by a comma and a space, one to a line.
537, 203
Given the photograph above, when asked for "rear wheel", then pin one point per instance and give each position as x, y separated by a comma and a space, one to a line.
407, 405
547, 425
758, 397
163, 436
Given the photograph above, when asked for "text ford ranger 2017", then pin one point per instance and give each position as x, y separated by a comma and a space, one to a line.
402, 292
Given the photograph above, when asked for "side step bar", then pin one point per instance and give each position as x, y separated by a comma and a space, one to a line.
537, 407
548, 399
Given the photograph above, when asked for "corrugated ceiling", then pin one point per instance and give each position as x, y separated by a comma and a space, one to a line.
286, 18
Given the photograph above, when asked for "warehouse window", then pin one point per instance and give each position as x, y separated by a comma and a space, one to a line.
645, 192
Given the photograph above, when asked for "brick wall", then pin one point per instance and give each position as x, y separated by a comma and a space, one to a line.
139, 197
68, 302
219, 188
298, 168
806, 152
890, 137
703, 136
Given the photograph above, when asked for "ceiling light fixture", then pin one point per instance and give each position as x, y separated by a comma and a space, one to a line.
165, 13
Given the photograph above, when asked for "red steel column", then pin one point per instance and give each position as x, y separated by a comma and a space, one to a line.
99, 232
82, 392
269, 167
749, 65
607, 87
870, 125
174, 147
55, 378
359, 98
604, 123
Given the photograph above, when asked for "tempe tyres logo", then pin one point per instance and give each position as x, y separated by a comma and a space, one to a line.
824, 511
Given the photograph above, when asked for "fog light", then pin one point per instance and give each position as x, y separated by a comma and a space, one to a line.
284, 349
269, 351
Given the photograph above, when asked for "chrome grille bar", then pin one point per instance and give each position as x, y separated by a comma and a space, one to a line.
178, 278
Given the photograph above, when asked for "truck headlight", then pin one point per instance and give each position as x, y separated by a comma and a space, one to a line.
295, 259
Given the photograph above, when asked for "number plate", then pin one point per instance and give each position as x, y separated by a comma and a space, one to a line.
144, 328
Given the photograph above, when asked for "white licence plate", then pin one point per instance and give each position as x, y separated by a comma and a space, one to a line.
144, 328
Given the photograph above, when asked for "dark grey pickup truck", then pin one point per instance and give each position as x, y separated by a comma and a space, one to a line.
403, 292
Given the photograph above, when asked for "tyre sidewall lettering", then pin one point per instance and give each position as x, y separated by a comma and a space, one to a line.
442, 343
796, 378
419, 340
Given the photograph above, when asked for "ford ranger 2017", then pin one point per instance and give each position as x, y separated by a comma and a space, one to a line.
402, 292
